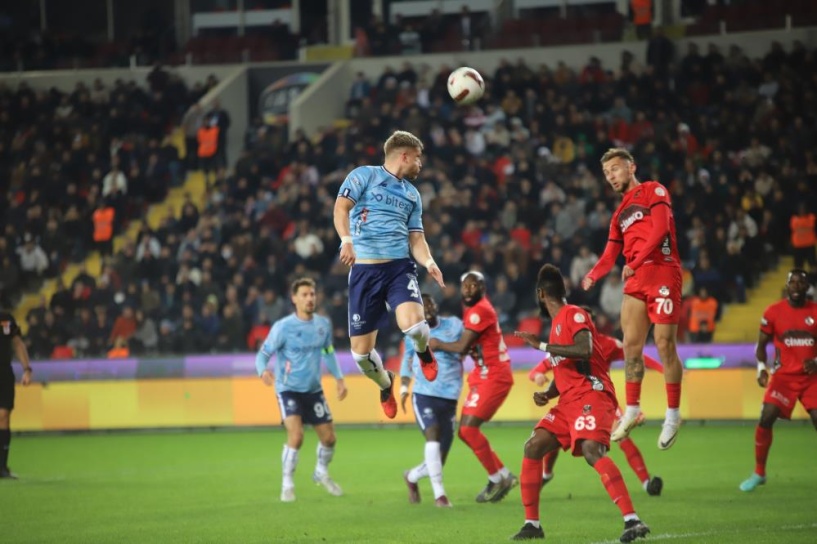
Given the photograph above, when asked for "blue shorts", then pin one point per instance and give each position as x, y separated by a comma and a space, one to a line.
373, 286
430, 411
311, 407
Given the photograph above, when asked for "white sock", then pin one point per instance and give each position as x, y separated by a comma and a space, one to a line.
632, 411
534, 522
496, 477
546, 476
324, 458
630, 517
644, 484
504, 472
289, 460
434, 463
417, 473
673, 414
372, 366
419, 333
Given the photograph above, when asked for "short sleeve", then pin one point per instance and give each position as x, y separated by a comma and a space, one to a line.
577, 321
659, 195
415, 220
479, 319
767, 322
354, 184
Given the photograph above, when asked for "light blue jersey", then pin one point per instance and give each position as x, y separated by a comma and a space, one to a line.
298, 347
386, 209
449, 378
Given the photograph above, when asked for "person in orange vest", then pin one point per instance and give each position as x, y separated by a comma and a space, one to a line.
702, 314
641, 11
120, 349
103, 219
803, 238
208, 147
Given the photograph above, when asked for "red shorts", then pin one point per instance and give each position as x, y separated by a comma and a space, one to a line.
486, 396
588, 418
785, 390
660, 288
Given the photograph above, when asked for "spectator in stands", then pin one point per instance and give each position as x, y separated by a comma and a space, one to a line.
611, 294
803, 238
191, 123
33, 262
641, 14
702, 315
123, 327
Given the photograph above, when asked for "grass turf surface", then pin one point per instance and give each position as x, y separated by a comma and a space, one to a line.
224, 487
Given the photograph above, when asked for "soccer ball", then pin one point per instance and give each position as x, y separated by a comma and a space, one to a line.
465, 85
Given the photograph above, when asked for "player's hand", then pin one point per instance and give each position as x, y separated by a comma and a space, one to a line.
267, 378
810, 366
342, 391
26, 379
403, 399
763, 378
435, 272
588, 283
626, 272
540, 379
540, 398
434, 344
530, 339
347, 254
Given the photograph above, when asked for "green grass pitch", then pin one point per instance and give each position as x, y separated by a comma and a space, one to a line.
224, 487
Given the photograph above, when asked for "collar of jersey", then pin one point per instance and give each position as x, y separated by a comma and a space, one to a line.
389, 173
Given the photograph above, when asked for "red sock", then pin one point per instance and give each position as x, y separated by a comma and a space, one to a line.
497, 461
763, 442
673, 395
614, 484
633, 393
548, 461
475, 440
635, 459
530, 482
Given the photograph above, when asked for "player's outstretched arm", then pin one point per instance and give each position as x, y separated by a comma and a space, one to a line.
461, 346
581, 348
653, 364
760, 354
422, 254
343, 206
21, 352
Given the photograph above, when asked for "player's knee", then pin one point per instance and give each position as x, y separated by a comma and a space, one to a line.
5, 418
666, 347
632, 346
534, 448
295, 439
592, 452
329, 441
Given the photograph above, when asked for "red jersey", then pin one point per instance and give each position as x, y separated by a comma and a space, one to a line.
612, 350
574, 377
490, 346
795, 334
632, 224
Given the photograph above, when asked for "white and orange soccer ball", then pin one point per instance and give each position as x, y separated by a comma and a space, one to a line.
465, 85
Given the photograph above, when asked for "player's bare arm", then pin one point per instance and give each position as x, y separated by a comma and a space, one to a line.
21, 352
604, 264
422, 254
541, 398
343, 206
405, 382
267, 378
760, 354
341, 387
461, 346
581, 348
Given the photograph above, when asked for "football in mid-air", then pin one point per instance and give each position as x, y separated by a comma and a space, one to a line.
465, 85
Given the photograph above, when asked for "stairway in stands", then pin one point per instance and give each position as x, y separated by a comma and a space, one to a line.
740, 322
194, 184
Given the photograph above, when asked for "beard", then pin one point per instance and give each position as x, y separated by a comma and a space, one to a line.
472, 300
543, 309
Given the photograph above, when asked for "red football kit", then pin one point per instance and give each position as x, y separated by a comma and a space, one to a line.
794, 331
612, 350
643, 228
587, 399
491, 380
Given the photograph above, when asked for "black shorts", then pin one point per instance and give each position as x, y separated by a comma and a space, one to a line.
7, 390
311, 407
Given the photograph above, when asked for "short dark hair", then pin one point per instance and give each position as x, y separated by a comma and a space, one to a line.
799, 272
551, 281
302, 282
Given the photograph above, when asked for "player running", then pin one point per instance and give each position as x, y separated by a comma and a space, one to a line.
611, 351
792, 325
11, 344
435, 403
586, 411
378, 216
489, 382
299, 342
644, 229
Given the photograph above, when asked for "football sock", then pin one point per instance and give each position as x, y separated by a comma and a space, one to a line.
417, 473
372, 366
630, 517
5, 444
548, 461
475, 440
635, 460
325, 455
633, 393
419, 333
434, 463
289, 460
614, 484
673, 395
530, 482
534, 522
763, 442
504, 472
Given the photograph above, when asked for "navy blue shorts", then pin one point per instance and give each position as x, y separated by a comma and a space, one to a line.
373, 286
430, 411
311, 407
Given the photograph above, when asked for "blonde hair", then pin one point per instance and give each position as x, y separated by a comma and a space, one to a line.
617, 153
402, 139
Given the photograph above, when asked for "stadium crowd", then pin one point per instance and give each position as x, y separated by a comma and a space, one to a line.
507, 185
